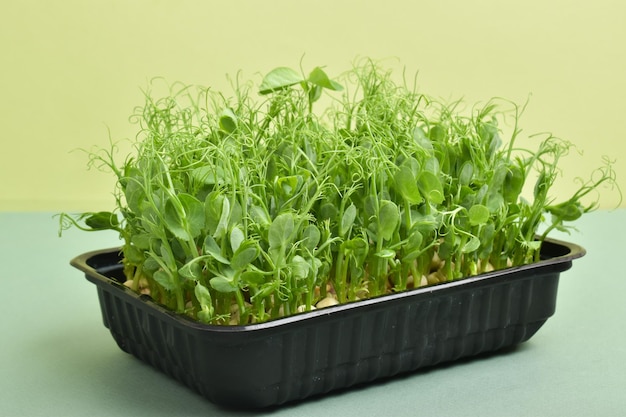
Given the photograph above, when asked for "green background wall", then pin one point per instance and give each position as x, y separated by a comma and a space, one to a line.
72, 71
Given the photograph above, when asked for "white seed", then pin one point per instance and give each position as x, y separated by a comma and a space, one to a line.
234, 315
302, 308
327, 302
362, 293
424, 281
435, 277
435, 262
410, 280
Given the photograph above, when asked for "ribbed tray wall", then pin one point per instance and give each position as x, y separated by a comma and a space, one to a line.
408, 336
147, 336
319, 356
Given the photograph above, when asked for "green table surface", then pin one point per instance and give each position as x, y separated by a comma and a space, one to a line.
59, 360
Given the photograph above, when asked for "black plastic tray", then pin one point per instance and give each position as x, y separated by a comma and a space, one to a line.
312, 353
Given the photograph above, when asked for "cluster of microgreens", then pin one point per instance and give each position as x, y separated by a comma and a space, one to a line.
244, 209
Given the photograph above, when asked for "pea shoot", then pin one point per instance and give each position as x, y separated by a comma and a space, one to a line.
237, 210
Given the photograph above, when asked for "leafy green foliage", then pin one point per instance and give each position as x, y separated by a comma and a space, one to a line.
244, 209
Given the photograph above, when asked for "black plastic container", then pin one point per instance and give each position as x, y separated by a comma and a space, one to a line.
312, 353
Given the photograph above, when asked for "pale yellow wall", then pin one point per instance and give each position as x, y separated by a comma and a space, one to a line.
71, 69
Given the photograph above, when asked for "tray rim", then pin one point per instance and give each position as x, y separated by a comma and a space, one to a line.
557, 263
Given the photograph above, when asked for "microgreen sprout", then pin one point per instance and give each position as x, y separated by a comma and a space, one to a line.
241, 210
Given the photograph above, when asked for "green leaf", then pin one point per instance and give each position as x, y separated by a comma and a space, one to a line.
184, 216
279, 78
165, 279
217, 213
488, 131
222, 284
103, 220
281, 230
411, 256
487, 235
253, 278
166, 255
208, 174
259, 215
320, 78
228, 120
133, 254
150, 264
174, 218
471, 245
347, 219
386, 254
204, 299
425, 223
495, 202
235, 215
467, 172
194, 214
236, 237
437, 133
389, 218
328, 211
134, 191
141, 240
413, 247
244, 255
192, 270
315, 92
478, 214
419, 136
202, 295
213, 210
498, 176
449, 245
431, 187
415, 239
287, 186
534, 245
299, 267
513, 183
542, 185
358, 246
406, 185
432, 165
567, 211
211, 247
310, 237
